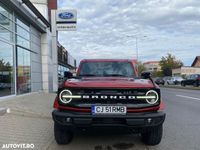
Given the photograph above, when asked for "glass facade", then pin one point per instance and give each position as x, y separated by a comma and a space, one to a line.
15, 60
65, 62
7, 86
23, 57
23, 34
23, 71
6, 25
61, 70
22, 63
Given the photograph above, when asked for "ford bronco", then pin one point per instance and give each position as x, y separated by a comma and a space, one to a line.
108, 93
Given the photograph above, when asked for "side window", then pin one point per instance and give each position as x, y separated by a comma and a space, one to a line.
193, 76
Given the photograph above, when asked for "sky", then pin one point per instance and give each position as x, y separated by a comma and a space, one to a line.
109, 29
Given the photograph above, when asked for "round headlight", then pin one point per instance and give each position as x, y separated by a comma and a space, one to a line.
152, 97
65, 96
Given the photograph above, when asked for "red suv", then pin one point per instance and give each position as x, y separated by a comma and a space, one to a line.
108, 93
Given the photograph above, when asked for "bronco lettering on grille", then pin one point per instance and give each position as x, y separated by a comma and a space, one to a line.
108, 97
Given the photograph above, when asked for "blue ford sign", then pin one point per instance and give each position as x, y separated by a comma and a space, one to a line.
65, 19
65, 15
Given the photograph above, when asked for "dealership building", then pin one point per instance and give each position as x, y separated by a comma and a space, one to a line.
28, 63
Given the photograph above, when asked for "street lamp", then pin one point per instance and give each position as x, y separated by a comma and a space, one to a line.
136, 44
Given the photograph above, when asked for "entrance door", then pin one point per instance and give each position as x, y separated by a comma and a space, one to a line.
23, 71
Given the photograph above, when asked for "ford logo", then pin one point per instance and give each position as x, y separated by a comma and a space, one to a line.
66, 15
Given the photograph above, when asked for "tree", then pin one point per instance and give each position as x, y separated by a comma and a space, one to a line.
141, 67
168, 63
4, 66
157, 74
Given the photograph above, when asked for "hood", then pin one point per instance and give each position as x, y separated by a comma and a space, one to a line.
108, 82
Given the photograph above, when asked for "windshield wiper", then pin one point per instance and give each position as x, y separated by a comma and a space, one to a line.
115, 75
87, 75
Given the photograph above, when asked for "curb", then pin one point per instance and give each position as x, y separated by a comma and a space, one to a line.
29, 114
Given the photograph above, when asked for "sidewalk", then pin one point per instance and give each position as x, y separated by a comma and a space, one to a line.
29, 120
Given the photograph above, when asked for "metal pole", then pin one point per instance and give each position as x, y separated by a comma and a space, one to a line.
136, 47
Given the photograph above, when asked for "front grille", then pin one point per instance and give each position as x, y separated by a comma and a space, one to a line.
111, 96
110, 91
105, 96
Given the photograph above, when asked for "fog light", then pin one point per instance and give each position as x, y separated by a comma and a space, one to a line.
149, 120
68, 120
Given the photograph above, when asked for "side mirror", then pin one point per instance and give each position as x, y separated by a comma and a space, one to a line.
68, 74
146, 75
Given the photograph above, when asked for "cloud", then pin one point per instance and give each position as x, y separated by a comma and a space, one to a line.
106, 29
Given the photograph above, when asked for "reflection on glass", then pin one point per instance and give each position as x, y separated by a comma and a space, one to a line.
23, 33
61, 70
5, 24
107, 69
4, 12
23, 71
22, 24
23, 30
5, 34
23, 42
7, 86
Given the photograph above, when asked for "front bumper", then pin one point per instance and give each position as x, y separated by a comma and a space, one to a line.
137, 120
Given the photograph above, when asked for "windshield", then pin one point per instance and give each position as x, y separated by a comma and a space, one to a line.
178, 78
107, 69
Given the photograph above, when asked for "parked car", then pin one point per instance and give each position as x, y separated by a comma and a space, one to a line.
174, 80
5, 85
166, 78
193, 79
159, 81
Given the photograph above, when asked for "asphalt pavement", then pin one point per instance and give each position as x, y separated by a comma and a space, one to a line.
33, 124
181, 128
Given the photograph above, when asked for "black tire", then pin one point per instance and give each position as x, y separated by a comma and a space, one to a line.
153, 135
196, 84
62, 134
182, 84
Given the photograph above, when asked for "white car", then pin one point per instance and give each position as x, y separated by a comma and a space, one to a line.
174, 80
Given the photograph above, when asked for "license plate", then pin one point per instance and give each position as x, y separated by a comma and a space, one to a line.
109, 110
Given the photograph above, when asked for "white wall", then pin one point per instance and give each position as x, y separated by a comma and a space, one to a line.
47, 64
42, 7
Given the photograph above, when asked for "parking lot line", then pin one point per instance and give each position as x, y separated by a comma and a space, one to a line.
193, 98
